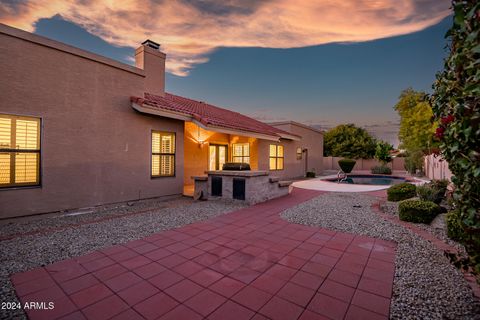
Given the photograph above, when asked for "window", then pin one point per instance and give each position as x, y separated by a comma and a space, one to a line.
299, 153
19, 151
241, 152
276, 157
163, 154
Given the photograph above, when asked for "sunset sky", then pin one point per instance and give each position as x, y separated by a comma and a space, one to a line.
318, 62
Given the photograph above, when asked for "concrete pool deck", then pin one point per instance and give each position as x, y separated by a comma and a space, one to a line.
321, 184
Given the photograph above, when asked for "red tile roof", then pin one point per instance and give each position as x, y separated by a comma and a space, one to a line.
209, 115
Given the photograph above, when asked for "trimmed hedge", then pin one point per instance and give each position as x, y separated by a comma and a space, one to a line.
401, 191
454, 228
381, 170
432, 192
417, 211
347, 165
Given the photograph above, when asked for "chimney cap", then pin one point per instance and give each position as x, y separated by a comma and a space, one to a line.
151, 44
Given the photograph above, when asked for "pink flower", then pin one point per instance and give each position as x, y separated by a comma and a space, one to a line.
439, 132
446, 120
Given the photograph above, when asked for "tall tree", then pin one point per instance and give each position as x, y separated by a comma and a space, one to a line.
416, 127
347, 140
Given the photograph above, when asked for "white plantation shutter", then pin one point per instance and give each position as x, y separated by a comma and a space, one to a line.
19, 151
163, 154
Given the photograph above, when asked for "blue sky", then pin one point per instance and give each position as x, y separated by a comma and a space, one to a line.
315, 63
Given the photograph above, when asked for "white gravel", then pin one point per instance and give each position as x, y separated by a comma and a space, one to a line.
27, 252
426, 285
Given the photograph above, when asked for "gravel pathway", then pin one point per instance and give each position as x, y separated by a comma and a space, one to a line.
426, 285
26, 252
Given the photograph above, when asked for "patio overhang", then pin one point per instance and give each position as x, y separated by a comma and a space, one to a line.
146, 109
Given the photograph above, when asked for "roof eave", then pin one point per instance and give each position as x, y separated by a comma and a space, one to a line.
144, 108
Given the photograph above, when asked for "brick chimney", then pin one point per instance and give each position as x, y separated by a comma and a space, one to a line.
149, 58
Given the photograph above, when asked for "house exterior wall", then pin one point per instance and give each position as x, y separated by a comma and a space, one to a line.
311, 139
95, 149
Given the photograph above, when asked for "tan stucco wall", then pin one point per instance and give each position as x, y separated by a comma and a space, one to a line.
310, 139
95, 147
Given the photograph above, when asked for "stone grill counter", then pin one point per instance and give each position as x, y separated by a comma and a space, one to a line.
251, 186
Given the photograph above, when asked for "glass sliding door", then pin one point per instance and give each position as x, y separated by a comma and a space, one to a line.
217, 156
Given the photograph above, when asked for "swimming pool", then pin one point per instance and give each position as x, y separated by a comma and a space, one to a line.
371, 180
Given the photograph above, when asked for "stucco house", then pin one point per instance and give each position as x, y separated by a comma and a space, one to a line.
79, 130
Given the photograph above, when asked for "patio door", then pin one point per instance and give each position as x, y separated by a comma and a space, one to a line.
217, 156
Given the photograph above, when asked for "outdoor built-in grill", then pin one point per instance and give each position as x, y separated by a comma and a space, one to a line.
237, 181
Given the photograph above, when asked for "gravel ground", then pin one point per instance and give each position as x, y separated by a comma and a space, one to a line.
26, 252
426, 285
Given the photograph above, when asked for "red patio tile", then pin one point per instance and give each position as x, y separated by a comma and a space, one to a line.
155, 306
30, 275
113, 249
181, 313
380, 265
109, 272
252, 298
379, 275
44, 295
377, 287
34, 285
165, 279
128, 314
281, 272
149, 270
350, 267
296, 294
188, 268
66, 270
207, 259
307, 280
191, 253
268, 283
227, 287
183, 290
157, 254
172, 261
90, 257
105, 308
317, 269
357, 313
309, 315
230, 309
90, 295
177, 247
135, 262
122, 281
279, 309
221, 251
124, 255
292, 262
147, 247
244, 274
371, 302
77, 315
330, 252
137, 292
225, 266
301, 253
98, 264
344, 277
337, 290
205, 302
206, 277
62, 306
79, 283
328, 306
325, 260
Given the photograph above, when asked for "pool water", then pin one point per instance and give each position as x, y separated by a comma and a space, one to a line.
372, 180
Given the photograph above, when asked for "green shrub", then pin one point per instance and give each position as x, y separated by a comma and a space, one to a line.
441, 185
310, 174
381, 170
401, 191
418, 211
454, 227
429, 192
347, 165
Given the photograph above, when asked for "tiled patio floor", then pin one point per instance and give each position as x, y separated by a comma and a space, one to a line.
249, 264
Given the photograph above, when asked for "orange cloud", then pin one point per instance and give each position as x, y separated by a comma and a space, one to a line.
189, 30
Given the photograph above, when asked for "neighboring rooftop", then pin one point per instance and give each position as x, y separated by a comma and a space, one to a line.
207, 115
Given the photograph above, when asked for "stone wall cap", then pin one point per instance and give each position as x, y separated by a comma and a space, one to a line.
245, 173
